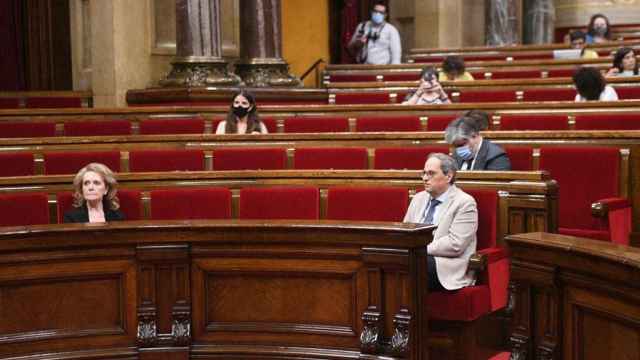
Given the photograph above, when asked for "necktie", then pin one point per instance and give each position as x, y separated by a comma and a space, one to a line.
428, 218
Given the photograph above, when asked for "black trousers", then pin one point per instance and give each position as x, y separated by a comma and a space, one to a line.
433, 283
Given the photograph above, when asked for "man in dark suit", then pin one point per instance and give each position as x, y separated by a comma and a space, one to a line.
472, 151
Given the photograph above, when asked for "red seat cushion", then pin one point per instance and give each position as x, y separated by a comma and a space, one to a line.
534, 122
362, 98
280, 203
563, 94
521, 157
53, 102
172, 126
516, 74
166, 160
388, 123
464, 304
367, 203
20, 209
271, 124
70, 162
250, 159
608, 122
200, 203
487, 96
402, 76
97, 128
411, 158
440, 122
331, 158
316, 124
27, 129
16, 164
561, 73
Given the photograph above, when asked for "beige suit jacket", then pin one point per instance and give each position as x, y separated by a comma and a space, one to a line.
454, 240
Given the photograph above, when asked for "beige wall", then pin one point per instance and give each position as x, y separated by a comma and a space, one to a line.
578, 12
448, 23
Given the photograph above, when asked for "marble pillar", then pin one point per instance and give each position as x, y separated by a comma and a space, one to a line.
502, 22
261, 63
539, 21
198, 60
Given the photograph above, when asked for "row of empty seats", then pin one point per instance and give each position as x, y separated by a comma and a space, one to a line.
50, 100
505, 56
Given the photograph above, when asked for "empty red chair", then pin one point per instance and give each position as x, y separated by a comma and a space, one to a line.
19, 209
97, 128
316, 124
403, 76
172, 126
9, 103
199, 203
351, 77
521, 157
271, 124
166, 160
550, 94
487, 96
130, 204
440, 122
400, 158
561, 73
250, 159
53, 102
588, 177
610, 121
516, 74
331, 158
534, 122
367, 203
69, 162
362, 98
388, 123
628, 92
16, 164
27, 129
280, 203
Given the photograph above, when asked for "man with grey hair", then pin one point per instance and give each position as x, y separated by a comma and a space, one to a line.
472, 151
456, 214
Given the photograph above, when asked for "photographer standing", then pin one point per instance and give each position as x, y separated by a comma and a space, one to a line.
376, 41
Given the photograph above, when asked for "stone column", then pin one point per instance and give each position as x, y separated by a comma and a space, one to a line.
198, 60
261, 63
539, 20
502, 22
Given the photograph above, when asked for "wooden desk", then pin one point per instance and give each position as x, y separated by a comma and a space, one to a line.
214, 289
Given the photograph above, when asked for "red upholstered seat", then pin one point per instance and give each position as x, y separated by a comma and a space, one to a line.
20, 209
472, 96
402, 76
270, 123
628, 92
69, 162
521, 157
53, 102
411, 158
534, 122
316, 124
561, 73
331, 158
172, 126
27, 129
130, 204
9, 103
465, 304
280, 203
16, 164
561, 94
516, 74
97, 128
609, 121
586, 175
388, 123
200, 203
250, 159
362, 98
547, 55
352, 77
166, 160
367, 203
440, 122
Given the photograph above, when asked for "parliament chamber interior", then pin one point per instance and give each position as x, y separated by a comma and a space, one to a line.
233, 179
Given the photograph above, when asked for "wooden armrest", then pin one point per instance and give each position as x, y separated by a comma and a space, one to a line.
602, 207
478, 261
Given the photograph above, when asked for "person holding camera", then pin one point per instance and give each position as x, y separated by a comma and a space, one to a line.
376, 41
429, 91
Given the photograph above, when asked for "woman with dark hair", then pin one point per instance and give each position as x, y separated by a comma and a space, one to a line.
624, 63
590, 85
242, 117
429, 91
453, 69
599, 29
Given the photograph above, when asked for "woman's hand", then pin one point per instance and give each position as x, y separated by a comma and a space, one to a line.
612, 72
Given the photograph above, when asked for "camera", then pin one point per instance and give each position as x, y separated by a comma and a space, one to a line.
373, 36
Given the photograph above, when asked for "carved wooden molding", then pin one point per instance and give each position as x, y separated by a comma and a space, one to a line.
371, 335
401, 336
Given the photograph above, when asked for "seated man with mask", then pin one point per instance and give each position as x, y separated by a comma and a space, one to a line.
472, 151
456, 214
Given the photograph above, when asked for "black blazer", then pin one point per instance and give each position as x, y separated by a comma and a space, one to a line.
489, 157
81, 214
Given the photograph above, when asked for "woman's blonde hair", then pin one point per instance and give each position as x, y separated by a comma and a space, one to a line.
109, 181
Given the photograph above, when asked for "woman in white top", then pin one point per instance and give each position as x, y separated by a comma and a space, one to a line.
590, 85
624, 63
429, 92
243, 116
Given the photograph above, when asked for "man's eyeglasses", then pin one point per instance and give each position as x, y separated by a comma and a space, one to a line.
429, 174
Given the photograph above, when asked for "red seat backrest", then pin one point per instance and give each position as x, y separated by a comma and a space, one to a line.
27, 129
534, 122
440, 122
316, 124
331, 158
516, 74
250, 159
402, 76
521, 157
166, 160
9, 103
388, 123
271, 124
609, 121
561, 73
53, 102
487, 203
19, 209
471, 96
411, 158
363, 98
199, 203
16, 164
367, 203
351, 77
70, 162
97, 128
628, 92
280, 203
172, 126
562, 94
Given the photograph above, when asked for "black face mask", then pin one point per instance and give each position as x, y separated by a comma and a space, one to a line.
240, 111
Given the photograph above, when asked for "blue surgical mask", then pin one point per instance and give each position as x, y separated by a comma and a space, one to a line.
377, 17
464, 152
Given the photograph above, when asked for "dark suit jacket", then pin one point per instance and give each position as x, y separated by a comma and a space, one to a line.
81, 214
489, 157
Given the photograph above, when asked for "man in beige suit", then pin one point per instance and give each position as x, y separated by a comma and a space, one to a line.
456, 215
